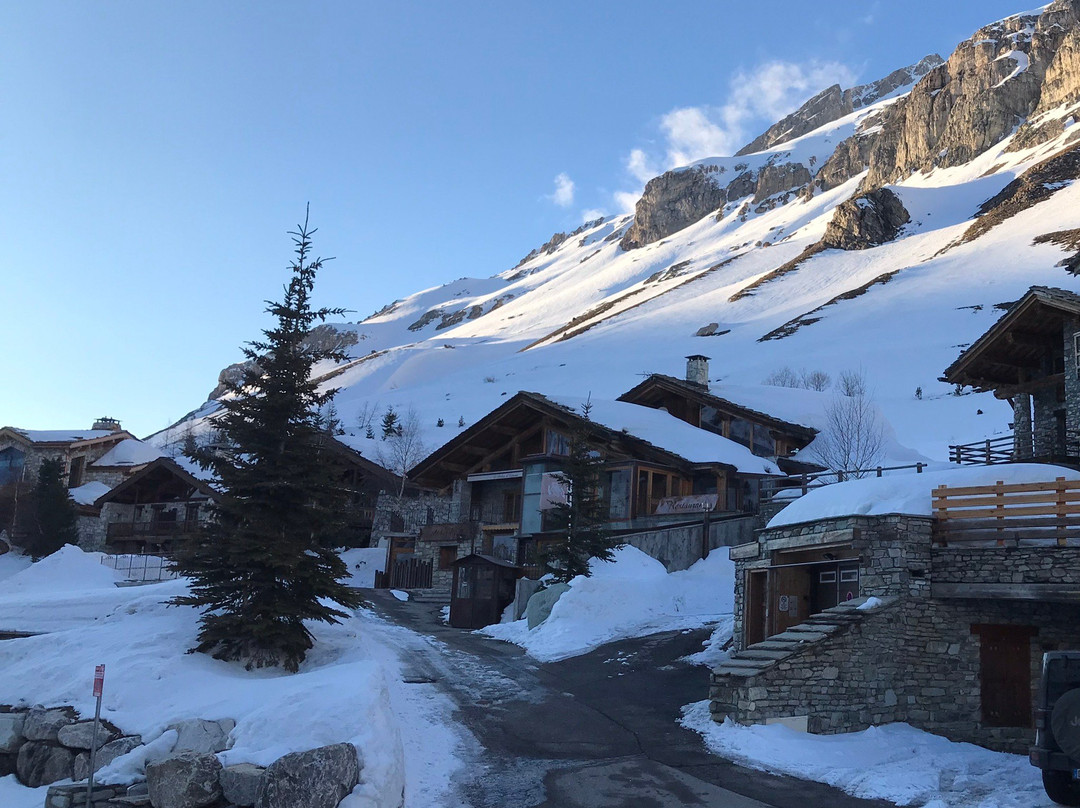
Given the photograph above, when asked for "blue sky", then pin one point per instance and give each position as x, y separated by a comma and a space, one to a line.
153, 156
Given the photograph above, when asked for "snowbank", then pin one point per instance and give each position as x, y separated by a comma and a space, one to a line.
895, 762
630, 597
363, 563
344, 692
12, 563
907, 493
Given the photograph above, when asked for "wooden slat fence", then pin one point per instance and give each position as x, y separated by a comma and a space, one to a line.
410, 573
987, 452
1014, 514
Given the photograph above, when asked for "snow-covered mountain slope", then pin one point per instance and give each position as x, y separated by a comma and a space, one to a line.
796, 256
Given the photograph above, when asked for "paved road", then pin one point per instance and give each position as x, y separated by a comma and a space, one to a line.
596, 731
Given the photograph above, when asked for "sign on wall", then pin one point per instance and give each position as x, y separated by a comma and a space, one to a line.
693, 503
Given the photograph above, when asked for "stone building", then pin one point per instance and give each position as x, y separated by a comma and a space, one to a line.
846, 622
1031, 359
670, 488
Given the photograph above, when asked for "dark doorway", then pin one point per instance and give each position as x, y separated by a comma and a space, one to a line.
756, 600
1005, 674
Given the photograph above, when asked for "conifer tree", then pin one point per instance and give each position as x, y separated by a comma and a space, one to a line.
263, 565
53, 524
581, 519
390, 424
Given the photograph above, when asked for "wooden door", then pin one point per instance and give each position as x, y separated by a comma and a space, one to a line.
1005, 674
789, 598
755, 607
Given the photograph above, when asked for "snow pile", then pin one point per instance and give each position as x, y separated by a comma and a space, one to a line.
907, 493
363, 563
129, 452
630, 597
12, 563
895, 762
88, 493
346, 691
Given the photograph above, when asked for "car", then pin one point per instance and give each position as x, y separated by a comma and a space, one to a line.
1057, 727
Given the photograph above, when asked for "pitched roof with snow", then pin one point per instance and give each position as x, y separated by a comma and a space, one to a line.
61, 435
129, 452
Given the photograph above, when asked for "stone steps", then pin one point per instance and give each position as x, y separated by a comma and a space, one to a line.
440, 596
763, 655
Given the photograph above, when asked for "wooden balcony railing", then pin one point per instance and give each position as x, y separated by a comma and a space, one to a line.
160, 528
987, 452
1001, 515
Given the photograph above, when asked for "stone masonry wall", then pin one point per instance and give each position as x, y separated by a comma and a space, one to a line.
916, 661
1072, 377
1004, 565
894, 551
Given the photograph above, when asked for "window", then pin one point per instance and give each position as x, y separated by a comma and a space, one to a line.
654, 486
848, 576
557, 444
827, 577
1076, 353
75, 473
741, 431
764, 444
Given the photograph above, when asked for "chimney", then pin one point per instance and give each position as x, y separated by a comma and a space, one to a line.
110, 424
697, 370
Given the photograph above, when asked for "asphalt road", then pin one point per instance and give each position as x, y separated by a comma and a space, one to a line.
596, 731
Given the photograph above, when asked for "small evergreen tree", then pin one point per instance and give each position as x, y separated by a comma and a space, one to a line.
53, 524
390, 425
263, 566
369, 433
581, 518
461, 420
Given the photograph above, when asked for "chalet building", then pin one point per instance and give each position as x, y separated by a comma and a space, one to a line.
22, 452
156, 508
690, 400
670, 488
1031, 359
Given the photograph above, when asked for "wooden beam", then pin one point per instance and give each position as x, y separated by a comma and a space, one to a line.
1009, 390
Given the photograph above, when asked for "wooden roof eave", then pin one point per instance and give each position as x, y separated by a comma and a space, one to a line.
162, 462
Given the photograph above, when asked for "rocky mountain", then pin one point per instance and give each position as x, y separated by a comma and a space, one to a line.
836, 102
880, 227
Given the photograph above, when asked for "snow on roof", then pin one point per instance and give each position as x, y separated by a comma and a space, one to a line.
129, 452
907, 493
89, 493
195, 470
791, 404
61, 435
670, 434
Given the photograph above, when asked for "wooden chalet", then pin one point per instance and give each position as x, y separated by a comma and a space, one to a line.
1031, 359
157, 507
502, 473
690, 400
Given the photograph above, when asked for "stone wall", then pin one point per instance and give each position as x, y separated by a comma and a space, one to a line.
916, 660
1006, 565
894, 552
1072, 376
678, 548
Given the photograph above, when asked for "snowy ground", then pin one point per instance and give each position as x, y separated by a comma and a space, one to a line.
895, 762
631, 596
350, 688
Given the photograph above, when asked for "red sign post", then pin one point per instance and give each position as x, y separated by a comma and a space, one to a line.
99, 687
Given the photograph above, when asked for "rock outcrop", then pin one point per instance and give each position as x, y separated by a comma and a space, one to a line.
866, 221
671, 202
987, 88
40, 764
834, 103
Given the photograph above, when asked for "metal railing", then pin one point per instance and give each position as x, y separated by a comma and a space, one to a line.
988, 452
140, 567
799, 484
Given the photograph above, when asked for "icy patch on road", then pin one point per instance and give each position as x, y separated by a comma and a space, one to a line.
633, 596
894, 762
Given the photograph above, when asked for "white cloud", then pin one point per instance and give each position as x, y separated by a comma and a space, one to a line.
756, 99
640, 166
592, 214
626, 201
564, 191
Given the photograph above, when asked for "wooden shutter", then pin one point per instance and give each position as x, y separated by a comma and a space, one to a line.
1005, 674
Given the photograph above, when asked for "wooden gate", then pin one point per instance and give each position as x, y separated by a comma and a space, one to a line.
1005, 674
407, 574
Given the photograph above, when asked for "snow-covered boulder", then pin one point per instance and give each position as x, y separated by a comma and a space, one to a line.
541, 603
11, 731
200, 735
80, 735
317, 778
105, 755
186, 780
45, 724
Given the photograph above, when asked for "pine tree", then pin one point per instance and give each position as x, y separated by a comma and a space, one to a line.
581, 519
263, 566
390, 425
53, 524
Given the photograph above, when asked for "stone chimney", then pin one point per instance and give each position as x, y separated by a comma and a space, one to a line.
110, 424
697, 370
